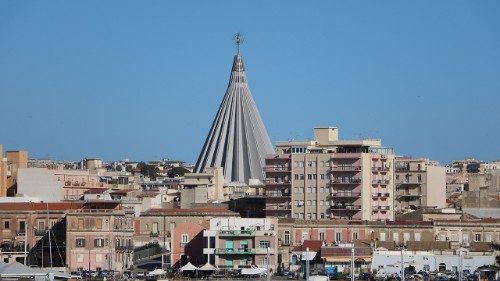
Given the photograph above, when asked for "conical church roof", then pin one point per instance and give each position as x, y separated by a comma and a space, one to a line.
237, 141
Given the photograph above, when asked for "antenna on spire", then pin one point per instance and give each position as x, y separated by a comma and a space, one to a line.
238, 40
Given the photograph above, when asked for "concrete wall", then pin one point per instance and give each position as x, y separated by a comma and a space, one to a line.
39, 183
436, 186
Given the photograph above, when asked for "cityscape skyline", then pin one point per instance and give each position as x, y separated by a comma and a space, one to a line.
122, 86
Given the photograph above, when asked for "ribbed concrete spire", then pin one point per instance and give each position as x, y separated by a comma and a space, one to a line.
238, 140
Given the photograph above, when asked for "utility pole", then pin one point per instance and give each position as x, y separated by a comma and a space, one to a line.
352, 262
307, 264
402, 264
460, 270
25, 242
268, 275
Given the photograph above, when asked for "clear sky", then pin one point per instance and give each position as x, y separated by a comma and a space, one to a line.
143, 79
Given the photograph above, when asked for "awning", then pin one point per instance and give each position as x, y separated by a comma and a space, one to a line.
207, 267
348, 259
308, 256
157, 271
189, 267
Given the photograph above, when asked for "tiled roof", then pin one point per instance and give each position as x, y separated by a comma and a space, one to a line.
192, 211
38, 206
313, 245
96, 191
428, 245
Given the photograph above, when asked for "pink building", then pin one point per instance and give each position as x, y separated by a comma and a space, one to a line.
187, 244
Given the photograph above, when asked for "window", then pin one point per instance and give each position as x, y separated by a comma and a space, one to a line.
308, 202
322, 215
80, 243
417, 236
419, 178
264, 244
406, 237
296, 176
184, 239
477, 237
286, 238
382, 236
301, 176
338, 236
296, 202
295, 164
309, 190
99, 242
301, 164
321, 190
322, 176
395, 237
22, 226
6, 224
309, 176
321, 202
314, 202
263, 262
155, 227
322, 163
355, 236
322, 236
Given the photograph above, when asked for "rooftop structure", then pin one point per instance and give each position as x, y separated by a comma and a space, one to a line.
238, 140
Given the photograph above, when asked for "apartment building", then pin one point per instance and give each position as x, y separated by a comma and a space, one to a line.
163, 230
100, 236
242, 242
13, 161
419, 183
328, 178
25, 232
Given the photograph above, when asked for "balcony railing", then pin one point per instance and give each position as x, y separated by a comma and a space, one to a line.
382, 208
235, 251
277, 169
346, 168
380, 168
346, 207
409, 182
239, 233
40, 232
154, 234
261, 251
345, 194
272, 182
348, 181
380, 194
124, 248
277, 195
21, 233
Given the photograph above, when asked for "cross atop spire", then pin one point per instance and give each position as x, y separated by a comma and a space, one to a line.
238, 40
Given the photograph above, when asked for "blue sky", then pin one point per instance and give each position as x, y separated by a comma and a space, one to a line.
143, 79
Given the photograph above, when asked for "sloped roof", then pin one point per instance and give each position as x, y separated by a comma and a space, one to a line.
39, 206
237, 141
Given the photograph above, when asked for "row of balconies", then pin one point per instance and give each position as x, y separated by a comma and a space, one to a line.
345, 207
380, 168
239, 233
382, 195
278, 169
382, 181
346, 181
381, 207
346, 194
346, 168
244, 251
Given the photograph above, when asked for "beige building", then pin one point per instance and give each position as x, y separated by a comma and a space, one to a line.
419, 183
330, 178
13, 161
100, 237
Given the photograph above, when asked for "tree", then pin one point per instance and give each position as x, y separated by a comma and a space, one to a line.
119, 168
177, 171
148, 170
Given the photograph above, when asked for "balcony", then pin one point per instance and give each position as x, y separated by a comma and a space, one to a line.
238, 233
339, 207
346, 181
350, 168
154, 234
409, 182
277, 169
277, 183
235, 251
382, 208
124, 248
40, 232
380, 195
380, 169
409, 197
345, 194
263, 251
21, 233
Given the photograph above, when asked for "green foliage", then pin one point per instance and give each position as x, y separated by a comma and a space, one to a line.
148, 170
177, 171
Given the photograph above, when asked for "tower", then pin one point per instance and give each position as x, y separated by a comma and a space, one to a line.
238, 140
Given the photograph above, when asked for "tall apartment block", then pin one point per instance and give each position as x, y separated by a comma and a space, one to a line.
419, 183
328, 178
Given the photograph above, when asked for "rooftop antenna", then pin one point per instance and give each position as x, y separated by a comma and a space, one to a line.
238, 40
